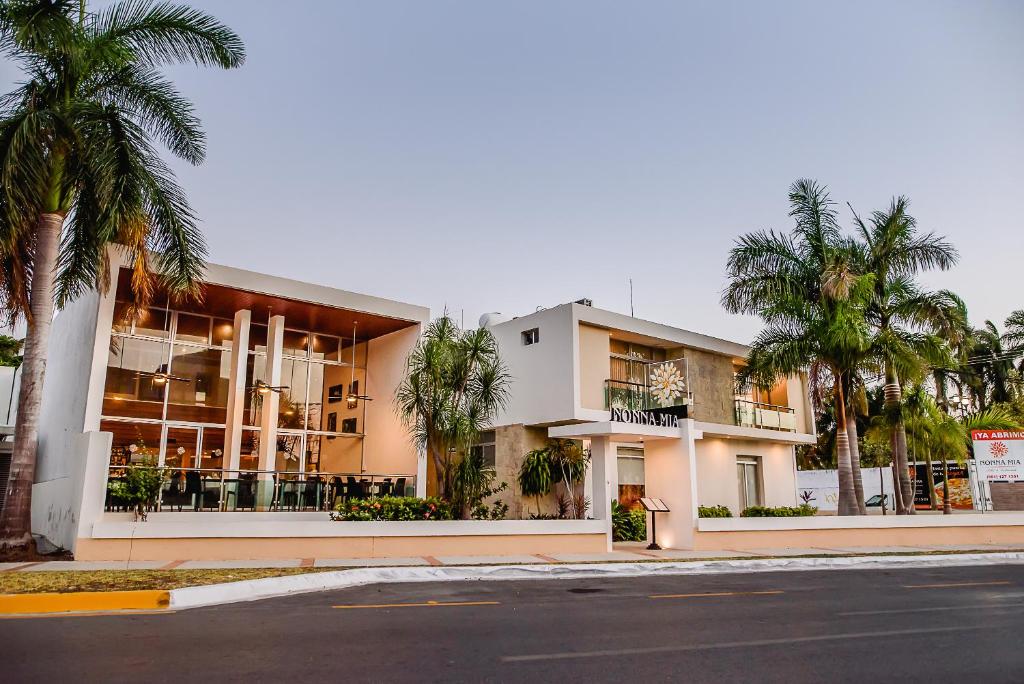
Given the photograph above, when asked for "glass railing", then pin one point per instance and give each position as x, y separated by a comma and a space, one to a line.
204, 489
659, 385
768, 416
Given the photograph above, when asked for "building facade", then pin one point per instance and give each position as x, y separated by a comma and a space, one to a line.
267, 395
627, 387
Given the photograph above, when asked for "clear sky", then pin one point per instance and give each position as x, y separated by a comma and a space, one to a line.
504, 156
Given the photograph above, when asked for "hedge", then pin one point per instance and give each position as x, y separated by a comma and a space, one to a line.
778, 511
393, 508
713, 512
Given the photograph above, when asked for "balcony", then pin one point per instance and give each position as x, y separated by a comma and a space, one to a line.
766, 416
653, 385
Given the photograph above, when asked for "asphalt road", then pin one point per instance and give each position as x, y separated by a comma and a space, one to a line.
937, 625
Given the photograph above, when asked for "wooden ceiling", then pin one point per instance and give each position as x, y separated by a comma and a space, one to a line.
222, 301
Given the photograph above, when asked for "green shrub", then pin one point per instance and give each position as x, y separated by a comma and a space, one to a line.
778, 511
714, 512
393, 508
628, 525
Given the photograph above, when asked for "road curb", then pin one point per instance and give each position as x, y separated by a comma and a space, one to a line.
83, 601
271, 587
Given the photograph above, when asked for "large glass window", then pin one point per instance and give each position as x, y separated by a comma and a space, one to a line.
250, 456
255, 373
211, 454
173, 368
133, 442
134, 386
326, 348
192, 328
198, 387
295, 343
182, 443
292, 410
153, 323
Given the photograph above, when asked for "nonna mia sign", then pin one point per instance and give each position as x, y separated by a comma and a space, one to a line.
999, 455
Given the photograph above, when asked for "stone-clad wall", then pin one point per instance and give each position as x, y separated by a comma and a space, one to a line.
711, 382
511, 444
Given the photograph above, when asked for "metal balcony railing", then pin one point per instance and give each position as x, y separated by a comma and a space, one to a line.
768, 416
216, 489
655, 384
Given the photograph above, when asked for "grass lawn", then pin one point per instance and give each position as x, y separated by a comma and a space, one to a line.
127, 580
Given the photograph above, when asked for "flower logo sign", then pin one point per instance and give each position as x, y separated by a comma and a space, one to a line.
998, 449
667, 384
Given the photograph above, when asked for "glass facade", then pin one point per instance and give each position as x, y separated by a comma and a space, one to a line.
167, 383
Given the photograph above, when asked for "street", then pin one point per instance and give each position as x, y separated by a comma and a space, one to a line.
941, 624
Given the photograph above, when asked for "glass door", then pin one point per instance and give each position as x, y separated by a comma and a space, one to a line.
749, 482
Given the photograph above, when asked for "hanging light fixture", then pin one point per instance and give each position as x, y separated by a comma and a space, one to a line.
353, 397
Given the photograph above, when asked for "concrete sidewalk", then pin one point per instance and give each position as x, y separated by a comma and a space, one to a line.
623, 553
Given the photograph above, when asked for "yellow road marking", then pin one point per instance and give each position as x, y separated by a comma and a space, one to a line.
950, 585
428, 604
717, 593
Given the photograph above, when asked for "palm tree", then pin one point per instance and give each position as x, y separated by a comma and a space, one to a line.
804, 288
1014, 335
950, 437
80, 172
455, 384
900, 312
992, 362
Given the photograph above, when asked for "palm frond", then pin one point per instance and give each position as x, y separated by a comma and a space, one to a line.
162, 32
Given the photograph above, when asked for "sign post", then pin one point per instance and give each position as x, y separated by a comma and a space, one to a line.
655, 506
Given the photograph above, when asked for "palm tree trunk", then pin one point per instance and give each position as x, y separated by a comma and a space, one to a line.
847, 494
858, 481
16, 518
897, 494
929, 479
893, 397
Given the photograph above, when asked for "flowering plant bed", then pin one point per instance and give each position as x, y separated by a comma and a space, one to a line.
393, 508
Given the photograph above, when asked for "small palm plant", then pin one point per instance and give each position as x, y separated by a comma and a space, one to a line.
535, 477
80, 171
455, 384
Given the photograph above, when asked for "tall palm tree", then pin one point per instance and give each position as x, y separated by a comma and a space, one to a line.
806, 291
900, 311
990, 367
1013, 339
80, 171
455, 384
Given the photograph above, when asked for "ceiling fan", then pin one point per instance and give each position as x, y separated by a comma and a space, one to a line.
260, 387
161, 377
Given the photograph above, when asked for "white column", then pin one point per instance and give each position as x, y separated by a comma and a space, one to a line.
670, 474
236, 390
271, 400
604, 476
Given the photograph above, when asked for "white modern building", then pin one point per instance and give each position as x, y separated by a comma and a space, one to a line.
268, 396
658, 408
